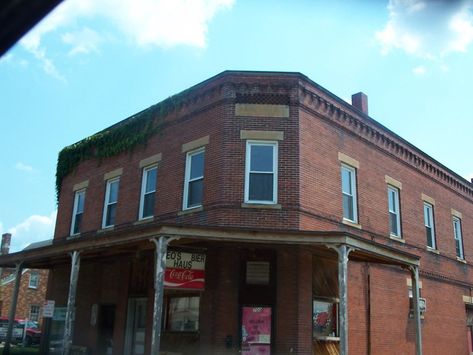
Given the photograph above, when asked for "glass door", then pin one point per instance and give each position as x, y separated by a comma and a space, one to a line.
136, 327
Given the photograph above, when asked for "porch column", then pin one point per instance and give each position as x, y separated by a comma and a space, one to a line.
159, 269
71, 303
415, 297
343, 251
11, 314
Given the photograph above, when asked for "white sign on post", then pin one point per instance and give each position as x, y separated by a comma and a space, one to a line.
48, 309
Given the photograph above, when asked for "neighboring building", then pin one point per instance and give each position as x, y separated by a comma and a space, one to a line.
276, 199
32, 289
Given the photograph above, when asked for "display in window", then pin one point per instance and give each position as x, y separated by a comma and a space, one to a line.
324, 319
256, 331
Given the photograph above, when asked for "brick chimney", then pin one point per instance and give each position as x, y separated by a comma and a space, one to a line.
5, 246
360, 101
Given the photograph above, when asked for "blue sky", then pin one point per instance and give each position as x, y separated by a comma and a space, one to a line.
91, 63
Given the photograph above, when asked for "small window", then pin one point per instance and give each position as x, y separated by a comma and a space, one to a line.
325, 318
77, 212
457, 234
34, 280
429, 225
148, 192
34, 313
261, 178
183, 314
194, 179
110, 206
349, 193
394, 212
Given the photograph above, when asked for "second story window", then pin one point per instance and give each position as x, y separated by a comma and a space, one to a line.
110, 205
148, 192
429, 225
349, 193
457, 233
261, 176
394, 212
34, 280
194, 179
77, 212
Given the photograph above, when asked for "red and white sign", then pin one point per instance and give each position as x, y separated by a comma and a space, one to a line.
185, 270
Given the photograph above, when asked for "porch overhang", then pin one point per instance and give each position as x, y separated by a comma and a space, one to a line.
128, 240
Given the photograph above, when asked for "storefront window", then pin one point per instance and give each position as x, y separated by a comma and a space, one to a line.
183, 314
324, 318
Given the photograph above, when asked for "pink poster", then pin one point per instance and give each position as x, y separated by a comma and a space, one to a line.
256, 330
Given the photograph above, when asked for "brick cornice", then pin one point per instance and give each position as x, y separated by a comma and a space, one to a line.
373, 132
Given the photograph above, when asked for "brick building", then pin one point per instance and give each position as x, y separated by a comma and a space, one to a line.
32, 289
258, 213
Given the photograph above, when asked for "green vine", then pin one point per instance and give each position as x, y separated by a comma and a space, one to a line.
121, 137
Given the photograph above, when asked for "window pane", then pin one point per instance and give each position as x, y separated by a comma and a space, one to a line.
111, 212
261, 158
348, 207
77, 223
197, 165
458, 248
184, 314
393, 223
80, 202
151, 179
113, 194
261, 187
194, 197
427, 214
430, 240
148, 205
346, 181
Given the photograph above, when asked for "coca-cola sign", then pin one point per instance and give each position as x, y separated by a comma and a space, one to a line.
185, 270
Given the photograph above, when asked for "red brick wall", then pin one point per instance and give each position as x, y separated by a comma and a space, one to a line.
26, 297
309, 192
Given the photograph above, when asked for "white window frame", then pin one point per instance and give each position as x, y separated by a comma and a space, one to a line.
274, 145
429, 212
34, 280
396, 210
458, 236
188, 180
144, 182
107, 203
352, 170
75, 211
38, 307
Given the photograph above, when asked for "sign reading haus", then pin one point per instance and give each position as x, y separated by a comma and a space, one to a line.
185, 270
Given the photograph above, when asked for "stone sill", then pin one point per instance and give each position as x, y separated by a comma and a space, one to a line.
432, 250
397, 239
351, 223
275, 206
144, 220
190, 210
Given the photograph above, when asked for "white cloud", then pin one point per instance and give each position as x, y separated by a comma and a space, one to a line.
427, 28
33, 229
24, 167
82, 42
420, 70
161, 23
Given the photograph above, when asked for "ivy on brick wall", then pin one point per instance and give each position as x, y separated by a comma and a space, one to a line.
116, 139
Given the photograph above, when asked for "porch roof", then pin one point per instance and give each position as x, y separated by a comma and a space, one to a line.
129, 240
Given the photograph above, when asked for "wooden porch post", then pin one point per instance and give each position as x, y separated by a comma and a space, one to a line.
71, 302
11, 314
159, 270
415, 297
343, 251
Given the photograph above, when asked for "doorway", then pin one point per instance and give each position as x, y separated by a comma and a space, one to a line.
136, 327
105, 329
